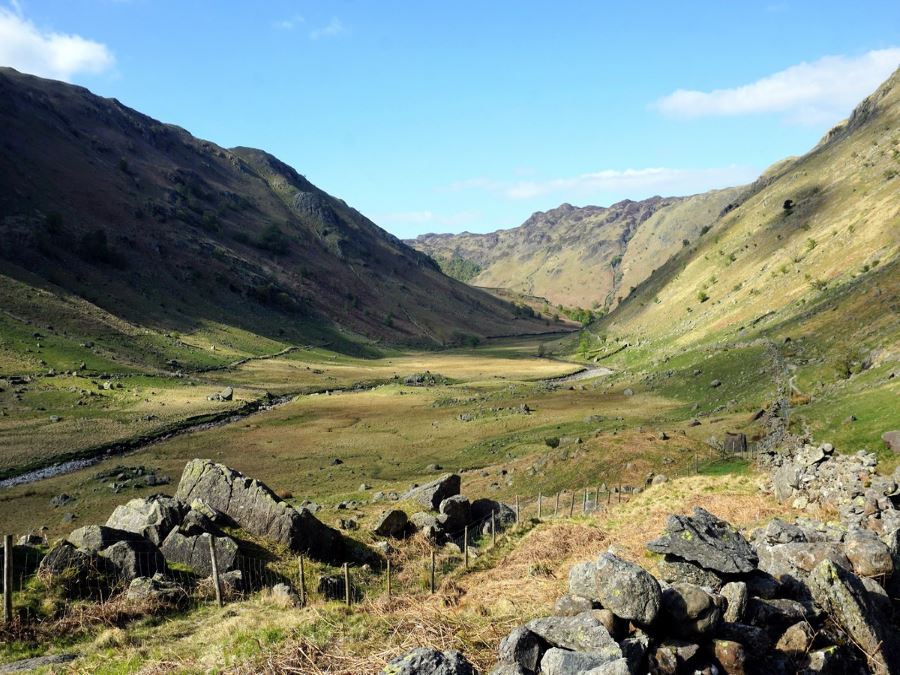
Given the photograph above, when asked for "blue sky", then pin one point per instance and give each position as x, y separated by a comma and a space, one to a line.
434, 117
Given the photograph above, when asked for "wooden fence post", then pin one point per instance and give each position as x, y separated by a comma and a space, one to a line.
584, 502
389, 578
432, 571
302, 582
572, 505
556, 509
540, 505
7, 578
214, 563
517, 509
347, 584
493, 528
466, 546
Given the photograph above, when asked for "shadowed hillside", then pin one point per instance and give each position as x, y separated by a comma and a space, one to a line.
172, 232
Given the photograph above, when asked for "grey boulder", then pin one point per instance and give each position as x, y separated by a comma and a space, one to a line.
152, 518
133, 559
193, 551
391, 523
626, 589
708, 541
98, 537
424, 661
689, 611
432, 494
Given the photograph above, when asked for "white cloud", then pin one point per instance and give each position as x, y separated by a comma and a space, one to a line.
820, 92
25, 47
291, 23
334, 28
635, 183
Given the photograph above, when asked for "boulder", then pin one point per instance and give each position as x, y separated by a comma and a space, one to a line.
523, 648
785, 481
892, 440
689, 611
152, 518
581, 580
481, 510
432, 494
133, 559
708, 541
193, 551
76, 573
843, 596
581, 633
391, 523
796, 640
424, 661
869, 556
255, 508
457, 510
97, 537
617, 667
732, 657
285, 596
626, 589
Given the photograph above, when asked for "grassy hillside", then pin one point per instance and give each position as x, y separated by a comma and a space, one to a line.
172, 233
579, 257
808, 262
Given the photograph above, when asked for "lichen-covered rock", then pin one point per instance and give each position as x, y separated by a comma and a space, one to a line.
523, 648
581, 633
76, 573
735, 595
156, 588
708, 541
564, 662
869, 556
842, 595
673, 569
152, 518
791, 564
193, 551
432, 494
572, 605
424, 661
255, 508
581, 580
626, 589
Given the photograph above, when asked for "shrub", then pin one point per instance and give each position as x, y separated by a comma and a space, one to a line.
551, 442
702, 296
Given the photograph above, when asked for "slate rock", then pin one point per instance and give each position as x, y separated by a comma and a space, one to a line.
869, 556
735, 595
708, 541
673, 569
424, 661
255, 508
572, 605
457, 510
523, 648
564, 662
791, 564
156, 588
626, 589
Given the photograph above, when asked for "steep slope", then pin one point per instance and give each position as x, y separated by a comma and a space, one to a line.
588, 256
169, 231
815, 234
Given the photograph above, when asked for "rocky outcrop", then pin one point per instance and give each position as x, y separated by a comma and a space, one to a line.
424, 661
255, 508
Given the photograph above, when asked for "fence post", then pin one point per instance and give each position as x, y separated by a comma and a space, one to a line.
584, 502
608, 496
432, 571
302, 582
517, 509
572, 505
493, 528
214, 563
7, 578
466, 546
556, 509
389, 578
347, 584
540, 505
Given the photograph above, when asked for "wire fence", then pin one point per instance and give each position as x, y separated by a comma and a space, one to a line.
41, 586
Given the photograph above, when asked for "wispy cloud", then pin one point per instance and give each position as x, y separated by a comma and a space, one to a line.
818, 92
634, 183
333, 28
289, 23
46, 53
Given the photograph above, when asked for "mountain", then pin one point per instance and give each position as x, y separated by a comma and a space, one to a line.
165, 230
586, 257
812, 245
